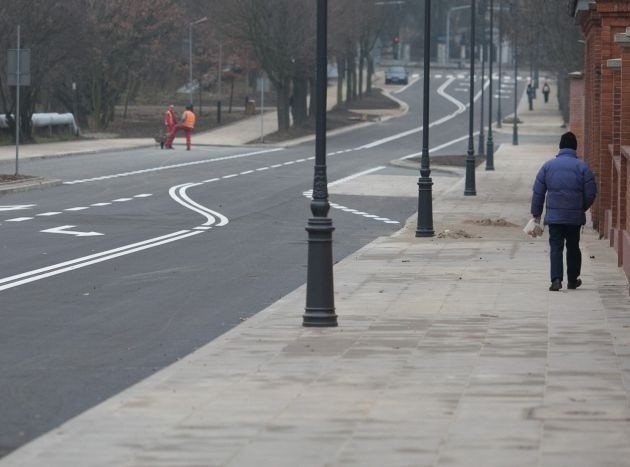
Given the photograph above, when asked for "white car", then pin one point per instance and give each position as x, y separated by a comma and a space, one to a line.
396, 75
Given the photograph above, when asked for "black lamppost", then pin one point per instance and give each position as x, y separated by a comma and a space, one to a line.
425, 207
482, 7
320, 300
500, 59
515, 123
470, 189
490, 146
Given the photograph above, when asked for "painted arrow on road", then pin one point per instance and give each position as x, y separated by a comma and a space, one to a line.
17, 207
64, 230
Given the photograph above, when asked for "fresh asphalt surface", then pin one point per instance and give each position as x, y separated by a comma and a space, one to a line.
142, 256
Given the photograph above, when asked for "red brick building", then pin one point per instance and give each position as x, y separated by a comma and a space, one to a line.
600, 114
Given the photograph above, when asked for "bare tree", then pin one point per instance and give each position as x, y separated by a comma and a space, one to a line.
281, 35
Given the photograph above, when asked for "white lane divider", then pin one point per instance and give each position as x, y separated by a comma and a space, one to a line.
173, 166
78, 263
461, 107
77, 208
309, 194
17, 207
178, 194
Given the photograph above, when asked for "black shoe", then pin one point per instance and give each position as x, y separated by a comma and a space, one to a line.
556, 285
574, 284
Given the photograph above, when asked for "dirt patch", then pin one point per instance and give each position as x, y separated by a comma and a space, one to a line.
491, 222
339, 117
447, 233
146, 121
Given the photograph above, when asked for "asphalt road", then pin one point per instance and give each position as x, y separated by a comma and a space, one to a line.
142, 256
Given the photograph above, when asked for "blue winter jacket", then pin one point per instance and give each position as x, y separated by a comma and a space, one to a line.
569, 186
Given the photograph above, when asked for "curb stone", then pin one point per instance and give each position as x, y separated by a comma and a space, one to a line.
36, 183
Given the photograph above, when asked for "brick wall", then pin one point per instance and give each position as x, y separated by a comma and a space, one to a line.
602, 120
576, 107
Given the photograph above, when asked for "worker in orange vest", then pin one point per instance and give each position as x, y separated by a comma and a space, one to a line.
187, 125
170, 120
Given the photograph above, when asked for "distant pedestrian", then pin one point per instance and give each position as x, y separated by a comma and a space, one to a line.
170, 120
546, 90
567, 186
530, 96
187, 125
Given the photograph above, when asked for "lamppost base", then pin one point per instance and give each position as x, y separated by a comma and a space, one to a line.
319, 318
490, 154
425, 208
320, 299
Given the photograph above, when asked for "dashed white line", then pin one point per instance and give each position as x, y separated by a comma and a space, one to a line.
19, 219
246, 172
51, 213
174, 166
100, 204
121, 200
230, 176
78, 208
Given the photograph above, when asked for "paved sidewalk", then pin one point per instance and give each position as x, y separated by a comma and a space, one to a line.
450, 351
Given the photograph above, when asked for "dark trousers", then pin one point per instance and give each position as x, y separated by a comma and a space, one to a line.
559, 234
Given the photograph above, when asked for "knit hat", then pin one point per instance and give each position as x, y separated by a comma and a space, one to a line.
568, 141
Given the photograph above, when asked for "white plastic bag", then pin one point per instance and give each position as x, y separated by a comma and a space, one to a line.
533, 228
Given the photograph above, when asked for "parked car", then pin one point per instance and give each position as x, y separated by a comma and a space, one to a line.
396, 75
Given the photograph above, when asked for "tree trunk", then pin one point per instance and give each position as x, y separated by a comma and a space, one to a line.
340, 75
231, 94
354, 79
312, 100
348, 78
298, 102
370, 73
282, 91
361, 66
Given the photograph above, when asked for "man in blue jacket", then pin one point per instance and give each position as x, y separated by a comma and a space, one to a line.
568, 184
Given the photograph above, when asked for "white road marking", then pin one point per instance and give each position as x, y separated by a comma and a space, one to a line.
441, 146
261, 169
17, 207
143, 195
246, 172
460, 109
121, 200
309, 194
78, 208
19, 219
78, 263
356, 175
178, 194
100, 204
64, 229
230, 176
51, 213
174, 166
413, 80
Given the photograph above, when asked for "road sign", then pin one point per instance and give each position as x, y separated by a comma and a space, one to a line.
25, 67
